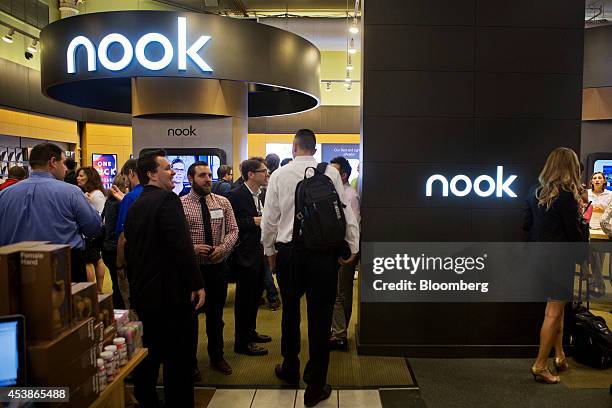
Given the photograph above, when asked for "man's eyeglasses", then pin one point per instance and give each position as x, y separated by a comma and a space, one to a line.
262, 171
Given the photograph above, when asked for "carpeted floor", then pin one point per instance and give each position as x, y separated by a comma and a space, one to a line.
497, 383
346, 369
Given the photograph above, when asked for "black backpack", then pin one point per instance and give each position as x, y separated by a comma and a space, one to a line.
319, 222
592, 339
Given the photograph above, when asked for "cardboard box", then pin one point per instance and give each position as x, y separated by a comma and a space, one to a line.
72, 374
84, 300
47, 356
45, 290
10, 279
106, 313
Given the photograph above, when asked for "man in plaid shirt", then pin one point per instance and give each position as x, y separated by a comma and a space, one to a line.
214, 232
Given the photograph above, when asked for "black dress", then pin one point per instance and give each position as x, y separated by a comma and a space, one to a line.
557, 237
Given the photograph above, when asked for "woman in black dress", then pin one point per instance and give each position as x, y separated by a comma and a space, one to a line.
553, 215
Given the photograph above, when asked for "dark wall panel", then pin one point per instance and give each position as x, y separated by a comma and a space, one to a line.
408, 93
522, 140
461, 87
510, 95
420, 47
415, 224
528, 50
529, 13
417, 140
421, 12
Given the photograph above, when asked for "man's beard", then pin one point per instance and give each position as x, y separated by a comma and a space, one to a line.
201, 190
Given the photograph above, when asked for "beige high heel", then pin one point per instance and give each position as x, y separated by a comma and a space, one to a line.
561, 364
544, 375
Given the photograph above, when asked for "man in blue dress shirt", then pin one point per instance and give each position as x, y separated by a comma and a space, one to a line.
44, 208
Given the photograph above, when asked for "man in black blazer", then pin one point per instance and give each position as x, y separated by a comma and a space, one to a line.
248, 258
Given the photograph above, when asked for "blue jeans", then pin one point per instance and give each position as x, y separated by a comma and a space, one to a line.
270, 287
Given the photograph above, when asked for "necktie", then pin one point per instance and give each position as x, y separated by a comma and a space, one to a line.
258, 203
208, 238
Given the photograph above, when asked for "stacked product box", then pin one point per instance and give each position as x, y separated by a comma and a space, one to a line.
10, 279
45, 290
84, 301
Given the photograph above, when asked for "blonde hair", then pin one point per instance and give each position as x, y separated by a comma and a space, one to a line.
561, 172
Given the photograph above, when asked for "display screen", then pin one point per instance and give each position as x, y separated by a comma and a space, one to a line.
106, 165
604, 166
180, 164
9, 353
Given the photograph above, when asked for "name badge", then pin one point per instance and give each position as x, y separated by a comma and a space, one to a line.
216, 214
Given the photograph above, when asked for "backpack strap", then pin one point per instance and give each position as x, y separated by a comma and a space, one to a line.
321, 167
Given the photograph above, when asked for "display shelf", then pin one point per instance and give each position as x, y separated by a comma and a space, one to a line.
114, 393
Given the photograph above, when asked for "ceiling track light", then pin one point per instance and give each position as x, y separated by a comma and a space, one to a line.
351, 48
33, 48
349, 63
354, 29
8, 38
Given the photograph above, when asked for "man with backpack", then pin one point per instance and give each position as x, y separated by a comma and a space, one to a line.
306, 232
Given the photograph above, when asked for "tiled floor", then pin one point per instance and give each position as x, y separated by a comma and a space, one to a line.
228, 398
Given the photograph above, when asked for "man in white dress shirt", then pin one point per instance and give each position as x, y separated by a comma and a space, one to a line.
300, 271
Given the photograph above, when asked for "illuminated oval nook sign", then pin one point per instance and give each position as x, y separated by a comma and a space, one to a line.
139, 50
95, 60
462, 185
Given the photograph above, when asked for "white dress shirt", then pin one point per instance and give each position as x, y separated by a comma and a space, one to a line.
279, 211
603, 199
351, 196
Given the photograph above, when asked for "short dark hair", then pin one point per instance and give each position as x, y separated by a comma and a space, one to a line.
177, 160
131, 164
345, 166
148, 163
70, 163
224, 170
191, 170
252, 164
42, 153
94, 181
306, 139
272, 161
286, 161
17, 172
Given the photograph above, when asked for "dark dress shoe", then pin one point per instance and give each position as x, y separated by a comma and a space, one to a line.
251, 349
197, 376
313, 398
261, 338
292, 380
222, 366
338, 344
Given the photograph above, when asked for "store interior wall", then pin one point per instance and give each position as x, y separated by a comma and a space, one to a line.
480, 87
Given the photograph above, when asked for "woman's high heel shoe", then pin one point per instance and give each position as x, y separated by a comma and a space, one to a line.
544, 375
561, 364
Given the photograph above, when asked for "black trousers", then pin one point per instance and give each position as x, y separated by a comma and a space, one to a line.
215, 286
249, 286
300, 272
167, 336
78, 272
110, 260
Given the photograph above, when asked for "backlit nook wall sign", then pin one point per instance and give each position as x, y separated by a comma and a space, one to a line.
89, 60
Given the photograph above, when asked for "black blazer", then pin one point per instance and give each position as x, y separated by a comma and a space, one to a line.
162, 266
559, 223
249, 250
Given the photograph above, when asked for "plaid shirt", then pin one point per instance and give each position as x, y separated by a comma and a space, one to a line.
224, 230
